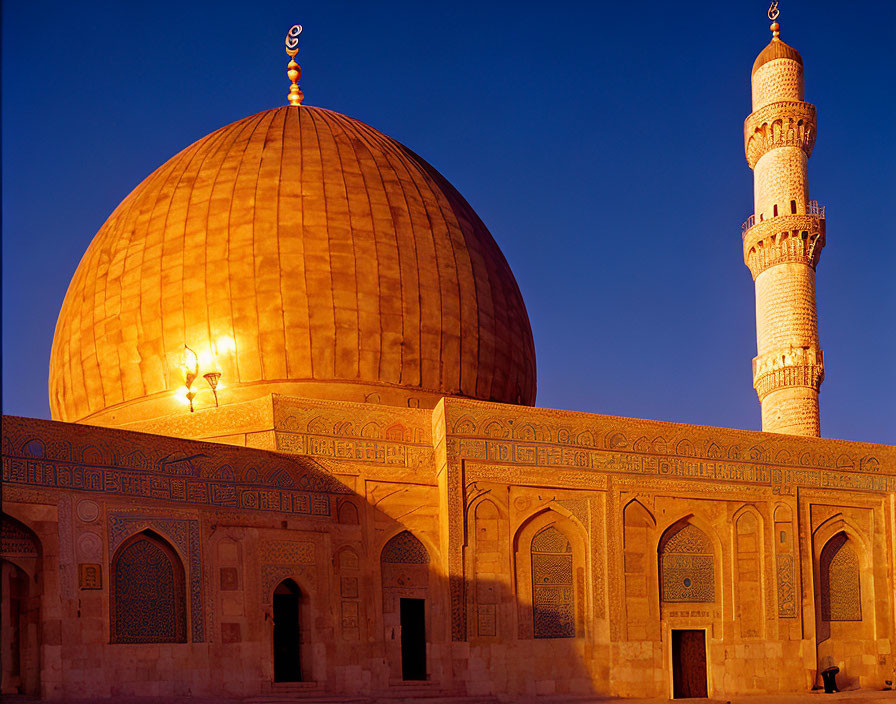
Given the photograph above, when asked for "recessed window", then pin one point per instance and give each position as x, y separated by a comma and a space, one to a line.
793, 207
776, 211
148, 597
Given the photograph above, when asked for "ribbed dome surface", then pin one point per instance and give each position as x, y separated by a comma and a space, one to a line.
776, 49
340, 263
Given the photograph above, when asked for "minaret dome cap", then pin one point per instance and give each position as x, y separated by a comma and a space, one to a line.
776, 49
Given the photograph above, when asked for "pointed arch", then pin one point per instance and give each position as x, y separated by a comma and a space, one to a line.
841, 588
347, 513
405, 548
19, 544
749, 603
405, 575
147, 592
347, 559
20, 605
685, 448
372, 431
35, 448
553, 603
464, 426
488, 564
836, 524
686, 563
495, 429
615, 441
639, 570
546, 607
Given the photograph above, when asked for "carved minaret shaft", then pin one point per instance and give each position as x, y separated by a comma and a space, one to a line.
782, 243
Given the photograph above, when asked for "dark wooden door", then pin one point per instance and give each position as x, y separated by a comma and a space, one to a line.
286, 633
413, 639
688, 664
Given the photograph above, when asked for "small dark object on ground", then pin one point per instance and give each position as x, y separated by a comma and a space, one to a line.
829, 677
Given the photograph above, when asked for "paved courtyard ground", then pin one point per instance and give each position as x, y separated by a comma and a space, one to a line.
862, 696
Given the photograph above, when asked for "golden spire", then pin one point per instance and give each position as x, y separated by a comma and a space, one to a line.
773, 16
293, 70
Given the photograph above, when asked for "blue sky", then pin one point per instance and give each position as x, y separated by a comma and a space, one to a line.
600, 142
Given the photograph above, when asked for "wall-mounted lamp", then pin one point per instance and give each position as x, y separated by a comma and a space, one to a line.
207, 359
212, 379
190, 368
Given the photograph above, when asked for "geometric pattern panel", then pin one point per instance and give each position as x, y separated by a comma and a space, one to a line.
688, 578
687, 569
841, 595
553, 601
16, 540
551, 540
688, 539
148, 604
786, 592
406, 549
184, 533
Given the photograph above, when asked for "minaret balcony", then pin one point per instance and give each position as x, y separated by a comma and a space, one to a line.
795, 237
813, 210
788, 123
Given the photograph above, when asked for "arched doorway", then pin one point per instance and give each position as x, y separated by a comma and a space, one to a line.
19, 609
287, 663
687, 576
404, 565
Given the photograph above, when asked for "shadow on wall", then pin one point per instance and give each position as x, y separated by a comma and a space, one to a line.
350, 592
20, 588
359, 604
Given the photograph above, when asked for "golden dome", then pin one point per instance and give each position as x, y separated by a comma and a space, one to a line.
776, 49
337, 263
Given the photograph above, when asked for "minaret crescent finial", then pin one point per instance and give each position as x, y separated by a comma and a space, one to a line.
773, 16
293, 70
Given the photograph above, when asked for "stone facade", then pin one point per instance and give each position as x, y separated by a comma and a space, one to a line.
351, 519
554, 552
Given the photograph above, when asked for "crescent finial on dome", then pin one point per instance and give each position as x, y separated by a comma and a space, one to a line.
293, 70
773, 13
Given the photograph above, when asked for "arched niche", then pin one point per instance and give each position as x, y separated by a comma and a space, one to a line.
348, 513
20, 603
845, 601
550, 557
639, 569
840, 576
553, 590
147, 592
488, 565
687, 570
749, 591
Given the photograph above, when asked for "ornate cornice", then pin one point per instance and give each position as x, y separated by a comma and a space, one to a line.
788, 123
807, 375
786, 238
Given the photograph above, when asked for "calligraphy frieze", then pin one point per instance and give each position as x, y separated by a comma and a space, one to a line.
688, 468
354, 449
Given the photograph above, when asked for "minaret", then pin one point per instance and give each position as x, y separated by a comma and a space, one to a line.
783, 240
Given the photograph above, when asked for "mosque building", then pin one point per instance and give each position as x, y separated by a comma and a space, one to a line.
295, 454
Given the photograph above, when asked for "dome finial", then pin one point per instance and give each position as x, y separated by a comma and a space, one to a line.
773, 16
293, 70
